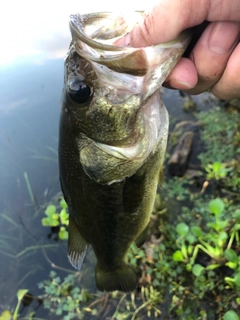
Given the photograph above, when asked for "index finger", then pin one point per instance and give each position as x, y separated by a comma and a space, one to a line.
168, 18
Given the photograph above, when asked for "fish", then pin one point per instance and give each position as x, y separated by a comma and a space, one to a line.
112, 140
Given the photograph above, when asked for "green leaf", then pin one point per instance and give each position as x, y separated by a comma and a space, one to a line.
63, 234
94, 312
45, 222
50, 221
236, 215
223, 224
213, 266
236, 227
21, 293
216, 206
191, 238
232, 265
229, 281
212, 225
64, 217
216, 166
197, 231
197, 269
182, 229
188, 267
211, 250
6, 315
231, 315
237, 279
52, 274
222, 238
51, 209
63, 204
231, 255
177, 256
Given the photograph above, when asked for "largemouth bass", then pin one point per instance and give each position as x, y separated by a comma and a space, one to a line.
113, 134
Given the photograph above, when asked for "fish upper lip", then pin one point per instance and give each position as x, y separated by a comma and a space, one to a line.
76, 24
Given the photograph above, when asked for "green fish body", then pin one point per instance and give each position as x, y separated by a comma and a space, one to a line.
113, 134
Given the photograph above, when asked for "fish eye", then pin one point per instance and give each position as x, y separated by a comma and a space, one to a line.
80, 91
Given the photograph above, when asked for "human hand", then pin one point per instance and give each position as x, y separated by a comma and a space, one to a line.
214, 62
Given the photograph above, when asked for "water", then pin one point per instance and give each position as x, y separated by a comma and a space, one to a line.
29, 106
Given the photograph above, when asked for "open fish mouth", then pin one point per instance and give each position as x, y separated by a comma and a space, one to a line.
99, 31
123, 72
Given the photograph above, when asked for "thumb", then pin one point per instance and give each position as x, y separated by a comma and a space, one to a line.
162, 23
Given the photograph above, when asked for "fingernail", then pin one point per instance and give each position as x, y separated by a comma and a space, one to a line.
223, 37
177, 84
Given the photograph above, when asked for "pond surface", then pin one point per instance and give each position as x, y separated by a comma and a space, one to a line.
30, 97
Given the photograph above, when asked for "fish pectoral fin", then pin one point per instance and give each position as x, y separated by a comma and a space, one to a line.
123, 279
77, 245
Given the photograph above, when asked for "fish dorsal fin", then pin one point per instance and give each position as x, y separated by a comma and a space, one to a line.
77, 245
134, 63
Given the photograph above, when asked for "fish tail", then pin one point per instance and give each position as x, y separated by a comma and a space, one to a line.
123, 279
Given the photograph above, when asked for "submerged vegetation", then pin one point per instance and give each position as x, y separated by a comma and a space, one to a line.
190, 266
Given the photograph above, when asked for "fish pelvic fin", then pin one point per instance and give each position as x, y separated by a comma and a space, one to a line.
123, 279
77, 245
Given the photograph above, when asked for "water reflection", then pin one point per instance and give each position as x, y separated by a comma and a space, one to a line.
29, 107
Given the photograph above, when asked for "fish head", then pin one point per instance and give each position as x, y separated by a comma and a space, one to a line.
111, 94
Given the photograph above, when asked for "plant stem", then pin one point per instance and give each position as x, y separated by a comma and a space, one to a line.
29, 187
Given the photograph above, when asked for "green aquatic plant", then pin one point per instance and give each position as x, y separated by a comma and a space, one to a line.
219, 130
20, 294
65, 298
151, 298
135, 255
219, 241
217, 170
216, 241
6, 314
57, 218
30, 192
